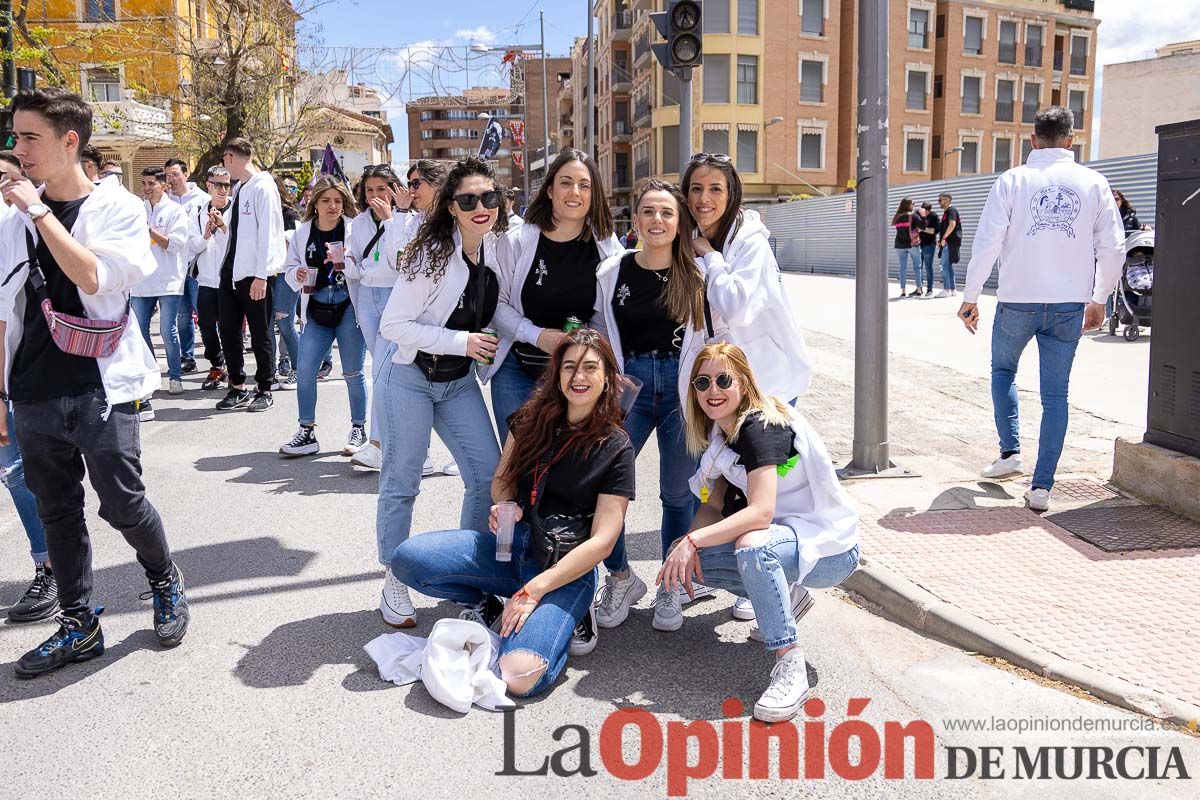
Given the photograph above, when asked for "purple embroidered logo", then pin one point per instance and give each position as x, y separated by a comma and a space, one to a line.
1054, 208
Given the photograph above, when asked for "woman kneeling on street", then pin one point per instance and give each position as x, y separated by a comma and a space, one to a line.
773, 514
566, 477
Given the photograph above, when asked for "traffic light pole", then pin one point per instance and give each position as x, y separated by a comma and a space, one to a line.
6, 43
685, 119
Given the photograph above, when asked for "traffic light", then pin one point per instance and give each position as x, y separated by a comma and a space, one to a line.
680, 26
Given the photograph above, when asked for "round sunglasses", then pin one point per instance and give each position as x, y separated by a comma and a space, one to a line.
703, 383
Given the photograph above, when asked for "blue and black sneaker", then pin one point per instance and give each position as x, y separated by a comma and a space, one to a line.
78, 638
171, 613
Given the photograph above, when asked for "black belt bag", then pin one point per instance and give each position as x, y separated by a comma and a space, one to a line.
554, 535
532, 360
327, 315
443, 369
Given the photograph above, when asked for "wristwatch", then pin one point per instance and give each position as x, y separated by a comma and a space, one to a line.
37, 210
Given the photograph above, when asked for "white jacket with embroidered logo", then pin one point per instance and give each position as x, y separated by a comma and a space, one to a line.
378, 267
170, 219
208, 254
260, 243
297, 258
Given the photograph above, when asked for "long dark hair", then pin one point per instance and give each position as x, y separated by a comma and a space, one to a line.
904, 211
541, 210
433, 244
430, 170
543, 414
1123, 205
733, 187
374, 171
684, 298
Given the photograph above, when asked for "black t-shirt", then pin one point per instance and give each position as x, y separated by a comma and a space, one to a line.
930, 221
561, 282
640, 312
40, 370
462, 318
758, 445
575, 480
903, 228
316, 251
949, 214
291, 219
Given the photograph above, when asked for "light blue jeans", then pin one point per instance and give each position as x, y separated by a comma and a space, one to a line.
13, 478
1058, 328
947, 269
283, 300
927, 253
372, 300
765, 574
462, 566
415, 407
187, 327
315, 342
168, 327
905, 254
511, 387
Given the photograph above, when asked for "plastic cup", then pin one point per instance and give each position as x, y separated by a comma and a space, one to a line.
631, 387
507, 514
310, 280
337, 255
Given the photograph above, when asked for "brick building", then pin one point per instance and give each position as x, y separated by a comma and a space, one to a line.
449, 128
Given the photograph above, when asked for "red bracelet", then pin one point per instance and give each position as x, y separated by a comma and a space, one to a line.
692, 541
523, 592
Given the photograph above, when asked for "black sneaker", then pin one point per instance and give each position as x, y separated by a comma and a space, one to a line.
75, 640
304, 443
189, 366
40, 600
234, 398
323, 372
261, 402
485, 612
216, 376
584, 639
285, 367
286, 378
145, 410
171, 613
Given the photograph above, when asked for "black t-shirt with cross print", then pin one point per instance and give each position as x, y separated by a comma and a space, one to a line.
561, 282
758, 445
640, 311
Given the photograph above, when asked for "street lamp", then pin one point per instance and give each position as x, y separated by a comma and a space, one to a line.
951, 152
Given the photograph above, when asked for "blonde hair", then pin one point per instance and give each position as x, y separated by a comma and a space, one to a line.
327, 184
774, 411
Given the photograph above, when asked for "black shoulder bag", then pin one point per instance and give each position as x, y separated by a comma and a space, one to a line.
443, 369
553, 535
327, 315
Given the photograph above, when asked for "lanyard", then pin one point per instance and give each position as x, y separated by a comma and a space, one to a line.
704, 490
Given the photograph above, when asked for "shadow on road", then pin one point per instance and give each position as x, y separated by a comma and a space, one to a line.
327, 473
13, 690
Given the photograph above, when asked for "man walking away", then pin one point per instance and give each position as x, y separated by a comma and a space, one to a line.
949, 242
255, 251
90, 246
1057, 232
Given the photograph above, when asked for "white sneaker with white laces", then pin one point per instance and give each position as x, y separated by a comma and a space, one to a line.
1038, 499
802, 603
787, 691
743, 609
1004, 467
451, 469
394, 604
370, 457
427, 468
943, 293
616, 598
668, 610
175, 386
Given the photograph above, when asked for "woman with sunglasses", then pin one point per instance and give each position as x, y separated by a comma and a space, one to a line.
208, 236
650, 304
773, 518
567, 464
548, 268
316, 266
445, 297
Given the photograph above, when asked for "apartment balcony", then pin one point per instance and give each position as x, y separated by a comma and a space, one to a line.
130, 120
622, 25
622, 79
622, 131
641, 49
642, 110
621, 182
641, 170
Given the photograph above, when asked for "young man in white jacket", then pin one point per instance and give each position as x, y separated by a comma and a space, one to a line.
208, 236
1057, 233
91, 246
189, 195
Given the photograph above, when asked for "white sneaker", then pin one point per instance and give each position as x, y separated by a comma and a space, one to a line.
668, 610
427, 469
1003, 467
394, 604
616, 597
944, 293
699, 592
742, 609
1038, 499
954, 292
370, 457
802, 603
451, 469
787, 691
175, 386
586, 635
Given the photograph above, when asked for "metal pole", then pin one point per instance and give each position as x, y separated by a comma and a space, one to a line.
591, 85
525, 116
545, 100
6, 42
685, 118
870, 310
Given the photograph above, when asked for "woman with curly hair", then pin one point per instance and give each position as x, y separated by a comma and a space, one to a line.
445, 296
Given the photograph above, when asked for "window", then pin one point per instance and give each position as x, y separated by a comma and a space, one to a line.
936, 144
715, 141
100, 10
811, 145
1077, 149
937, 86
747, 18
968, 159
670, 89
747, 150
1079, 55
1026, 149
104, 85
914, 155
1030, 102
941, 26
918, 28
1005, 91
1035, 43
972, 94
1056, 97
1008, 42
747, 80
715, 18
1002, 159
914, 97
1060, 44
670, 149
973, 36
716, 78
1075, 101
812, 13
812, 75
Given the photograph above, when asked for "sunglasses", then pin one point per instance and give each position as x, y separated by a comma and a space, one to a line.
703, 383
467, 202
716, 158
220, 184
416, 183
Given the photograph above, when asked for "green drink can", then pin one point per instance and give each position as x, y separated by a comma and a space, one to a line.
572, 324
492, 332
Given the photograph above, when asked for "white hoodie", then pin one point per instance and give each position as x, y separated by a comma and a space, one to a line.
112, 224
745, 289
296, 259
1055, 228
260, 243
208, 254
170, 219
191, 197
378, 267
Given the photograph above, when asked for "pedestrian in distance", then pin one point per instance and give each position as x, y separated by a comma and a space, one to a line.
1056, 230
1129, 218
91, 159
439, 319
81, 247
928, 222
561, 491
208, 237
949, 241
285, 300
907, 244
515, 220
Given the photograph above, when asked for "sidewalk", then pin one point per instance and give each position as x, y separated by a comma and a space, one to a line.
963, 559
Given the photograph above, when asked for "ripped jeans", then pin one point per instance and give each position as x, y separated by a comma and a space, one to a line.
462, 566
315, 342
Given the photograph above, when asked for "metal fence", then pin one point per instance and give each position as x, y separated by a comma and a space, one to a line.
818, 235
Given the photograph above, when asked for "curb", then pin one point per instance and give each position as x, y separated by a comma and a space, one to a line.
919, 609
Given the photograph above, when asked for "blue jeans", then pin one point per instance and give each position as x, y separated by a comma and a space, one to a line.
12, 475
765, 574
511, 387
372, 300
168, 327
905, 254
947, 269
657, 408
283, 298
187, 327
315, 342
415, 407
927, 253
461, 566
1058, 327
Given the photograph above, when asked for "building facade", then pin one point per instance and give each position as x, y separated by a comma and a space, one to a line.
449, 128
1139, 95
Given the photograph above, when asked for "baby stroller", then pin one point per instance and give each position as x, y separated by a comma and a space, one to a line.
1133, 298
